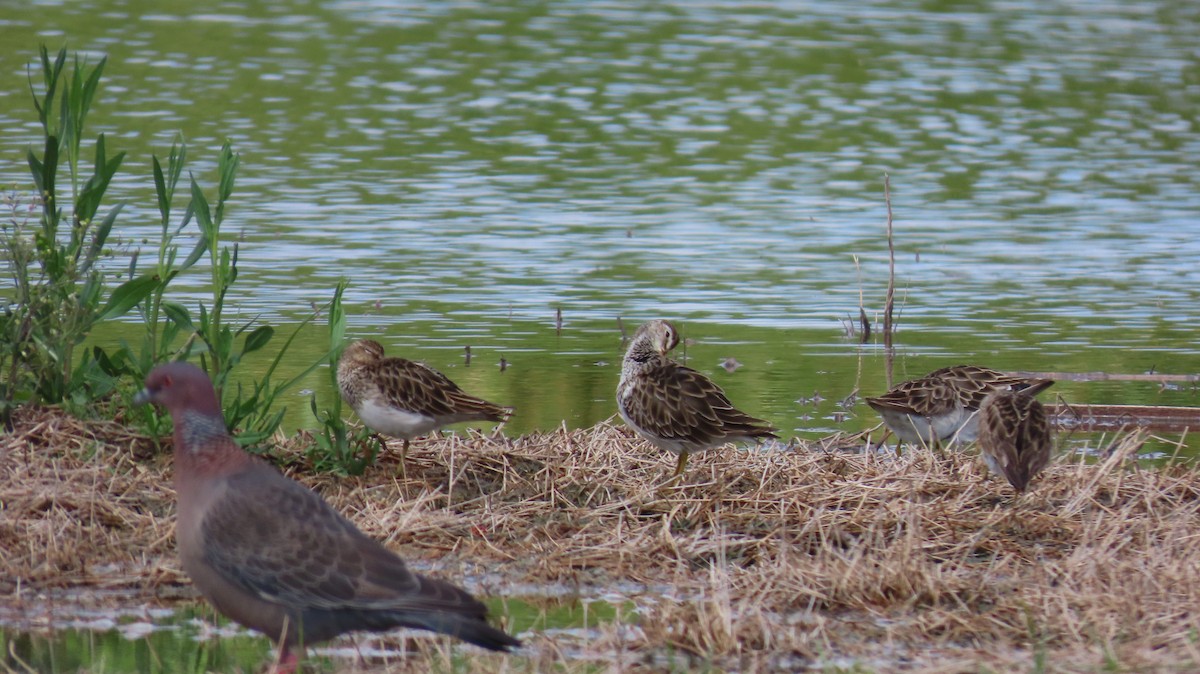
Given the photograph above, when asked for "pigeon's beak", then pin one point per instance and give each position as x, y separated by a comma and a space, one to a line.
143, 396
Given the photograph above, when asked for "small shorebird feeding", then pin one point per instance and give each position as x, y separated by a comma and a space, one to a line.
405, 399
1014, 437
944, 404
673, 406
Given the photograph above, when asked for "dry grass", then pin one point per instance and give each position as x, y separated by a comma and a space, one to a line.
756, 561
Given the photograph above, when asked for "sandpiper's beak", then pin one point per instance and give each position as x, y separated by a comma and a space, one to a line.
143, 396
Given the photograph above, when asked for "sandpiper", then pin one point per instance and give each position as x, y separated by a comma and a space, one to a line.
944, 404
673, 406
1014, 436
402, 398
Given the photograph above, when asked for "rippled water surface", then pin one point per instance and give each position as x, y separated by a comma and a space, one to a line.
113, 632
473, 167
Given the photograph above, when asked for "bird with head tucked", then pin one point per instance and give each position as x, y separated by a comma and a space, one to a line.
673, 406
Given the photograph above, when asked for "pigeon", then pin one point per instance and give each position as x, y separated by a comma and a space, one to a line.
272, 555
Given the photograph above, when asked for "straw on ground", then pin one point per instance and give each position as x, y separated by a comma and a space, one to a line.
759, 560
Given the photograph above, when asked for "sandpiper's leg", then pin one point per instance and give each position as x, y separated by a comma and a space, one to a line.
404, 460
883, 441
680, 464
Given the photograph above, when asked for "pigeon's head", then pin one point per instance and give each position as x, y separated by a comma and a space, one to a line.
179, 386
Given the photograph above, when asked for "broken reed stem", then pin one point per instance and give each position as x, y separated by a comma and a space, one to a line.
891, 289
1115, 376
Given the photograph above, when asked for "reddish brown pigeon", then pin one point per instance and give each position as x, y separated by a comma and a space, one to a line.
274, 556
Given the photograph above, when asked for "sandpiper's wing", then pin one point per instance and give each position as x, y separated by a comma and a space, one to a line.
974, 383
926, 397
678, 404
415, 387
1015, 436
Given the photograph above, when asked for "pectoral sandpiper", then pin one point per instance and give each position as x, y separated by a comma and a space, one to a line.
944, 404
675, 407
402, 398
1014, 436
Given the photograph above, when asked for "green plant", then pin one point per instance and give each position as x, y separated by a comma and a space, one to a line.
336, 447
59, 291
216, 335
161, 335
253, 409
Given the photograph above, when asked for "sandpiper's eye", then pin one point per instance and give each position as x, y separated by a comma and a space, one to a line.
166, 383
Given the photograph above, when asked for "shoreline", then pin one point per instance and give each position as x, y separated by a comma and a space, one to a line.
802, 556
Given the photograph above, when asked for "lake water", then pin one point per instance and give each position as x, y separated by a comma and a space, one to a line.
116, 632
472, 167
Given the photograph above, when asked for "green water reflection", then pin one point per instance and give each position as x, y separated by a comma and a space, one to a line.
472, 167
173, 646
178, 643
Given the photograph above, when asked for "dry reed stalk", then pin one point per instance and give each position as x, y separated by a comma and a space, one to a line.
757, 560
889, 301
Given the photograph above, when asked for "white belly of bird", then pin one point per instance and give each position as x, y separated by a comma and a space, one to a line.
961, 426
394, 422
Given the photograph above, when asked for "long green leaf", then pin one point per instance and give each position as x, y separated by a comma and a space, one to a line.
89, 89
100, 237
178, 158
188, 212
44, 171
165, 182
93, 191
227, 167
127, 295
33, 92
37, 170
179, 315
160, 189
258, 339
197, 253
337, 314
200, 206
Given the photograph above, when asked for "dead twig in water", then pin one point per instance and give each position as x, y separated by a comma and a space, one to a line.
888, 303
863, 321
